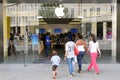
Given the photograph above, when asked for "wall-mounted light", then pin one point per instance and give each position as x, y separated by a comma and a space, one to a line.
39, 17
81, 17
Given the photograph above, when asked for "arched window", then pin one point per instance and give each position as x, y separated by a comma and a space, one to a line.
98, 11
85, 11
112, 9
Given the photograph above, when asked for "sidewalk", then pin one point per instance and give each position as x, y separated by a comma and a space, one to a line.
43, 72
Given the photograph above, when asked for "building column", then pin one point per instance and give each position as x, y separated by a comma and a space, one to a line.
23, 26
94, 26
5, 22
114, 30
1, 34
22, 30
16, 30
104, 30
116, 47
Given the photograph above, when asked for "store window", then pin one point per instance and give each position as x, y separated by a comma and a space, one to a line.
98, 11
112, 9
57, 30
42, 30
91, 12
74, 30
72, 13
85, 11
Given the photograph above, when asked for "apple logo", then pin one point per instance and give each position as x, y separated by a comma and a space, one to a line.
59, 11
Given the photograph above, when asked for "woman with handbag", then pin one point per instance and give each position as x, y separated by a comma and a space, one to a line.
93, 51
81, 45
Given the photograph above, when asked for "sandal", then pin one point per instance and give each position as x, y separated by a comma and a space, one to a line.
54, 77
55, 74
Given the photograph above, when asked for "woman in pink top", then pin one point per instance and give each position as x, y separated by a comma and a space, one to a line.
93, 51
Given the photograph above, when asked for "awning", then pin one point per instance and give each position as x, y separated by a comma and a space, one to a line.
59, 21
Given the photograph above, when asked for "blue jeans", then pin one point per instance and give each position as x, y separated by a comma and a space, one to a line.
70, 65
79, 59
47, 50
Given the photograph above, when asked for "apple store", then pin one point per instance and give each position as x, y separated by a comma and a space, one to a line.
57, 17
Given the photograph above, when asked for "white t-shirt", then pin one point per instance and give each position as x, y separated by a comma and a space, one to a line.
69, 46
80, 48
93, 46
55, 60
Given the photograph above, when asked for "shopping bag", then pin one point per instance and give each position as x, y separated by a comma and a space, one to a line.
76, 50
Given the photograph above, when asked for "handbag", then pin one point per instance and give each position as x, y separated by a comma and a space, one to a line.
76, 50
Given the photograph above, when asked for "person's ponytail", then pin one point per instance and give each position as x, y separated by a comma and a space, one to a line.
93, 38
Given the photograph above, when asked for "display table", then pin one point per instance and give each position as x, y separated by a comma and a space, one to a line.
53, 44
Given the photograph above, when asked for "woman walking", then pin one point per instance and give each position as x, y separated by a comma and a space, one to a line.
93, 50
81, 45
69, 56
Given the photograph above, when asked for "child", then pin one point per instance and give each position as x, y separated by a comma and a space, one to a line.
55, 63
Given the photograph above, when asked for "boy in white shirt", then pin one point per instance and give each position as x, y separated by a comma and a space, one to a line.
55, 63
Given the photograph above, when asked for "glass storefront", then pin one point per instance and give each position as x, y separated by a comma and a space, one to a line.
25, 15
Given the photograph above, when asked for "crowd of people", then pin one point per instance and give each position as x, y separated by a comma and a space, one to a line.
92, 50
71, 40
55, 38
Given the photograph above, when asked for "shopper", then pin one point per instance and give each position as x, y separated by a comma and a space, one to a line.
12, 49
69, 56
47, 44
81, 45
93, 50
55, 63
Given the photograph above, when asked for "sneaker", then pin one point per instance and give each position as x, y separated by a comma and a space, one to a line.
73, 75
88, 70
54, 77
97, 73
70, 75
55, 74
